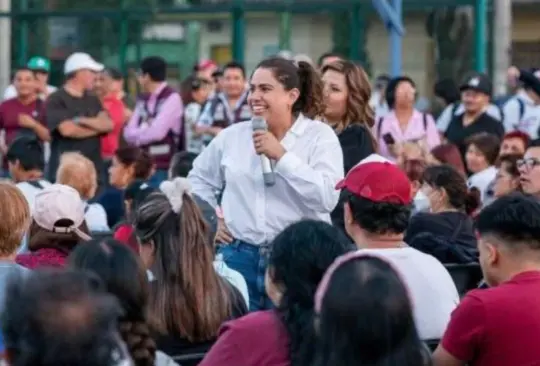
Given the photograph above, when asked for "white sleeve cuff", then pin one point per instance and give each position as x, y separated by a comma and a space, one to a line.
288, 164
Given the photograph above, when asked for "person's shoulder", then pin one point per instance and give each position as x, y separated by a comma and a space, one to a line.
253, 322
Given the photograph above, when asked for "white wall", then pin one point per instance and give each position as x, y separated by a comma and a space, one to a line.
311, 35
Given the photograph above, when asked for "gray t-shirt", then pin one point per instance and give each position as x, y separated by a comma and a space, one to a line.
9, 270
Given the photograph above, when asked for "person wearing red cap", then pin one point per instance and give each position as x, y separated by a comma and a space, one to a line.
377, 207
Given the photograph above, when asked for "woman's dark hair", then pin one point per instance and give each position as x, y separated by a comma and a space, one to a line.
449, 154
390, 93
189, 85
28, 151
447, 178
300, 256
140, 159
302, 77
187, 297
65, 242
447, 90
124, 277
182, 163
370, 325
487, 143
60, 318
414, 169
509, 164
378, 217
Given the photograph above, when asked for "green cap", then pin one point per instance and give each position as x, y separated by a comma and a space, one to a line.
39, 63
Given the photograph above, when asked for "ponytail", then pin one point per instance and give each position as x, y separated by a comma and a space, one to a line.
310, 102
140, 344
472, 201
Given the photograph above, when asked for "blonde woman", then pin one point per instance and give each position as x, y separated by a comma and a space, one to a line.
80, 173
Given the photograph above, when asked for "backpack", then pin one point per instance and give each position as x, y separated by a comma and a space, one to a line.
379, 125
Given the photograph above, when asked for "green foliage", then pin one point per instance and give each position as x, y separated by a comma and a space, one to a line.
341, 38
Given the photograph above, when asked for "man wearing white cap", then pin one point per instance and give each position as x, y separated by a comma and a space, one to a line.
75, 117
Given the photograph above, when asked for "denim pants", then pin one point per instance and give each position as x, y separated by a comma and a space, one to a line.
251, 261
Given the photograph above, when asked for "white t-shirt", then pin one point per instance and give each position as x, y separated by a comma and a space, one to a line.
30, 191
482, 181
96, 218
433, 293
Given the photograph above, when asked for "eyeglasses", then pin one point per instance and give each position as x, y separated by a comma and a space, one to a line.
528, 163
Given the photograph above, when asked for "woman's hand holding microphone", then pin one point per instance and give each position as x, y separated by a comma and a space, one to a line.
266, 143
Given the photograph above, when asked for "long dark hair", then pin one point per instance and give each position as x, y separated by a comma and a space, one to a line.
188, 297
124, 276
366, 318
300, 256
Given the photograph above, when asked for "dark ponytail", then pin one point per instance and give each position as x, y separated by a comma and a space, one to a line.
301, 76
310, 102
473, 201
140, 344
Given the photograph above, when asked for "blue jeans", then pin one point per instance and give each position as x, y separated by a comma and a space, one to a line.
159, 176
251, 261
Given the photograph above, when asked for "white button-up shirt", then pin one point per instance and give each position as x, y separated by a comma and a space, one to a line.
305, 179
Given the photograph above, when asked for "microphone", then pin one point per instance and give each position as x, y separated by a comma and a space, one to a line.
259, 124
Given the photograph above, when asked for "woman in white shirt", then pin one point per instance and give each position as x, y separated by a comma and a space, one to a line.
482, 153
306, 157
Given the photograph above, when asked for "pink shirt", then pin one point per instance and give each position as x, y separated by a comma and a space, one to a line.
168, 119
415, 131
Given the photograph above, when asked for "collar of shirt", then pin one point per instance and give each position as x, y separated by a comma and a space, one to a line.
522, 94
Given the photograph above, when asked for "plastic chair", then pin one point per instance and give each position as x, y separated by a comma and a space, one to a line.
466, 276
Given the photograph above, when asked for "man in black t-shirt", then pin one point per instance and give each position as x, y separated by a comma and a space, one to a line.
475, 96
76, 117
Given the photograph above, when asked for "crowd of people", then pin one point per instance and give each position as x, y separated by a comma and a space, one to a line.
145, 232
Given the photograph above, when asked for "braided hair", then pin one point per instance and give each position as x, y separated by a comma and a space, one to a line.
124, 276
140, 344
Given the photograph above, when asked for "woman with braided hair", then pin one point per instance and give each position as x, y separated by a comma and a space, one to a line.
123, 274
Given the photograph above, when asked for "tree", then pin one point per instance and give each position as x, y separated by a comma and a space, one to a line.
451, 29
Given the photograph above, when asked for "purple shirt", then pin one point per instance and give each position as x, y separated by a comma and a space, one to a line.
414, 131
168, 119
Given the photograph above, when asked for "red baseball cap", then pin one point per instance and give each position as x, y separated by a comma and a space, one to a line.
378, 182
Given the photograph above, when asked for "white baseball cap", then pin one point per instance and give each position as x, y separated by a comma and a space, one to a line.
60, 202
81, 61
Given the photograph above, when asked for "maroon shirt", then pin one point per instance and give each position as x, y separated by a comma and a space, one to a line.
45, 257
9, 118
257, 339
499, 326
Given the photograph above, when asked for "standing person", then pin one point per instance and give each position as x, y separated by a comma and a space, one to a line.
156, 122
327, 58
76, 117
115, 79
475, 96
347, 95
228, 107
404, 123
308, 163
522, 111
41, 67
23, 115
378, 100
195, 93
116, 111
